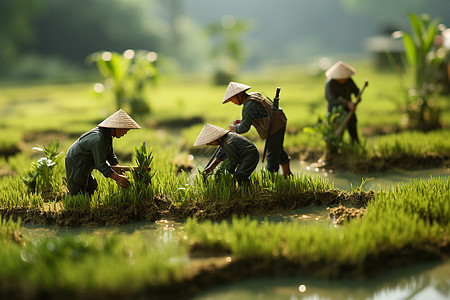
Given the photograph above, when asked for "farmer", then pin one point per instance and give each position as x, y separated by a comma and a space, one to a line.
257, 112
93, 150
239, 151
339, 88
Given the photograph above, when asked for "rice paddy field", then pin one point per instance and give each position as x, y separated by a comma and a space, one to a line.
209, 232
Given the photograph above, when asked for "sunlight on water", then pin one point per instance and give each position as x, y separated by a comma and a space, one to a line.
425, 281
373, 181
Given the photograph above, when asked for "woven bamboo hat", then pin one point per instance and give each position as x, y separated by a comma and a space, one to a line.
119, 120
340, 70
233, 89
208, 134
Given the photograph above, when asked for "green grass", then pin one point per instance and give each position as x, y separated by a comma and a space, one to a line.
80, 263
75, 108
408, 218
413, 144
179, 188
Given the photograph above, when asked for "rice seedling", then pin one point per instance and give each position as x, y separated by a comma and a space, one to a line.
14, 193
80, 263
412, 144
10, 231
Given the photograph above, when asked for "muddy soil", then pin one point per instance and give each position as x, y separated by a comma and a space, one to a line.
341, 213
160, 207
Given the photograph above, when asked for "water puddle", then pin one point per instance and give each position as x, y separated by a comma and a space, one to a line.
166, 229
421, 281
346, 181
375, 181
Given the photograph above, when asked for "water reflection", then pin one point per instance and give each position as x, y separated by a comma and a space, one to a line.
160, 232
346, 181
421, 281
306, 215
428, 281
375, 181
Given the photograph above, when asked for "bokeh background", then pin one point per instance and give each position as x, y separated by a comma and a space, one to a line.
52, 38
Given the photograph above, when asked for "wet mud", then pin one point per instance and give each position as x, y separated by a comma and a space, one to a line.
342, 214
160, 207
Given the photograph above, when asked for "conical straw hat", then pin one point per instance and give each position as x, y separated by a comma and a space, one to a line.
119, 120
208, 134
233, 89
340, 70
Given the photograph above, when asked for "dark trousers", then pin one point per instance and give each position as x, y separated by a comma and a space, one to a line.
276, 155
88, 188
352, 129
246, 167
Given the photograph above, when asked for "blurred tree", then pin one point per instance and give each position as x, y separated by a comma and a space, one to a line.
385, 10
227, 50
74, 29
15, 27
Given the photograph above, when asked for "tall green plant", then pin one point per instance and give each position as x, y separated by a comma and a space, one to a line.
421, 56
128, 75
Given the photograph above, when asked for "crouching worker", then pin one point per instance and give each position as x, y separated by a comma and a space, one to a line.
94, 149
239, 151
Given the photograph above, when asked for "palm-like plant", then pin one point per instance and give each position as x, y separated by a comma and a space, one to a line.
420, 53
42, 176
128, 75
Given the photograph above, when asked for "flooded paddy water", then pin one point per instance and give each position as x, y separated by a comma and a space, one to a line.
427, 281
372, 181
419, 281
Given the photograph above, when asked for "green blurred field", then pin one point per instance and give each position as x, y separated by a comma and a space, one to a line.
36, 113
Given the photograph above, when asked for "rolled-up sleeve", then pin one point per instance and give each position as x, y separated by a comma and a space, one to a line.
247, 118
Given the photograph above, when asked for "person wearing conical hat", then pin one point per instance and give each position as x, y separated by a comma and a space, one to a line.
339, 89
240, 152
94, 149
257, 111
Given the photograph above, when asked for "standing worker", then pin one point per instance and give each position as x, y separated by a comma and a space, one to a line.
241, 154
257, 111
339, 88
93, 150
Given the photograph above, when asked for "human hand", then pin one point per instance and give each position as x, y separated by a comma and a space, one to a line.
123, 181
232, 127
351, 106
237, 121
208, 169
